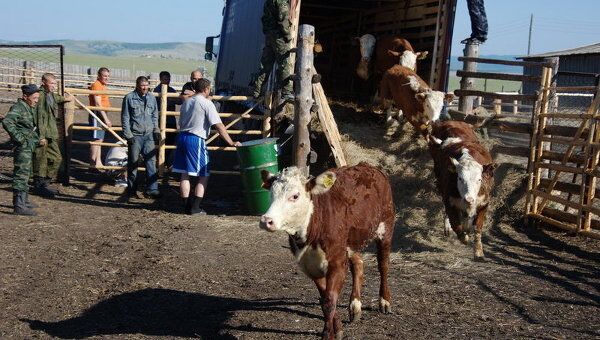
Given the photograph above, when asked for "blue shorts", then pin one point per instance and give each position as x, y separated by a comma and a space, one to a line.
96, 134
191, 155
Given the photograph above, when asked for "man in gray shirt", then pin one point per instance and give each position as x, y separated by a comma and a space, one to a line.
139, 118
198, 115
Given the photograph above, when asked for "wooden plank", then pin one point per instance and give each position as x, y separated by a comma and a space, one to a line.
565, 226
526, 128
503, 96
558, 157
94, 128
329, 125
558, 200
537, 145
571, 188
506, 62
100, 121
99, 108
569, 115
500, 76
575, 88
304, 98
519, 151
560, 168
564, 131
465, 102
560, 140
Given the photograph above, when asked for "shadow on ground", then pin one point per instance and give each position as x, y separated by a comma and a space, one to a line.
164, 312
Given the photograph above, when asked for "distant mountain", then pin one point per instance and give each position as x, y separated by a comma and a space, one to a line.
169, 50
458, 65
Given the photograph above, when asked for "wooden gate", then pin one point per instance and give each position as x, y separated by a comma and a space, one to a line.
563, 165
77, 105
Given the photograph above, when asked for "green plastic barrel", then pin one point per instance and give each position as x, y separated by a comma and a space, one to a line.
255, 156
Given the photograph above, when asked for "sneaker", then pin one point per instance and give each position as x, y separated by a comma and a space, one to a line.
154, 194
473, 41
121, 183
197, 211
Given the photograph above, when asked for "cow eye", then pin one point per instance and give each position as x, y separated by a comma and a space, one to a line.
294, 197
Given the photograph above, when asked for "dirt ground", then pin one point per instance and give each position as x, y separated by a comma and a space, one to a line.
93, 265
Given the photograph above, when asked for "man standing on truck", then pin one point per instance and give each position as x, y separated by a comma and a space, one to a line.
276, 24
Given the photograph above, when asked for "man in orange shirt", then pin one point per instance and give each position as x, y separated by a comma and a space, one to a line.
103, 101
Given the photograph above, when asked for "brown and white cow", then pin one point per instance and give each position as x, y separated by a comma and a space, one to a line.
464, 170
329, 220
419, 103
382, 54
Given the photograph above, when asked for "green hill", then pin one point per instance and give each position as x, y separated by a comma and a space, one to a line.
168, 50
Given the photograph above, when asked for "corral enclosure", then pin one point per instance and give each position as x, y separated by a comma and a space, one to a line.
427, 24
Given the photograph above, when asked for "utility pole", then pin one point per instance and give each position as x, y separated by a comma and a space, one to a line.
530, 29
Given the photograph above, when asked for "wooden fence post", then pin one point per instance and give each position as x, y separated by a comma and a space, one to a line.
162, 124
304, 98
266, 123
497, 106
68, 118
465, 103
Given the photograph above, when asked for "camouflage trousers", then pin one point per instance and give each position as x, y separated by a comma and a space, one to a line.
47, 160
22, 160
276, 51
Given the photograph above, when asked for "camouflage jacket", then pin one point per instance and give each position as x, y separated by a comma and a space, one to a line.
19, 123
276, 18
45, 119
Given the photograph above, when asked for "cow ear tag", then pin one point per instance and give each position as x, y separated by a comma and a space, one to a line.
328, 181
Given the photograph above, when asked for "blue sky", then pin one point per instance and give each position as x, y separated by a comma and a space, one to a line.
558, 24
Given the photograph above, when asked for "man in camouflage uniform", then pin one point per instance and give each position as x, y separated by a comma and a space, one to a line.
19, 123
276, 26
47, 155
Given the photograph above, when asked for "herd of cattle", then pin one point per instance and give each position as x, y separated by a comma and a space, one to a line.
331, 218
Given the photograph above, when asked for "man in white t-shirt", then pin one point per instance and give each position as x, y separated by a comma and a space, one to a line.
198, 115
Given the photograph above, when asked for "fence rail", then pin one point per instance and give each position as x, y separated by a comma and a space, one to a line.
77, 106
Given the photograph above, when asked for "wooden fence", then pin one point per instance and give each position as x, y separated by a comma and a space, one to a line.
77, 107
567, 202
16, 72
562, 186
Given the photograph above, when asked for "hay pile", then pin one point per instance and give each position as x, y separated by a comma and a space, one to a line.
405, 159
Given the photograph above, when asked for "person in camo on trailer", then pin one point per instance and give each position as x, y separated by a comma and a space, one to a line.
47, 155
20, 125
276, 26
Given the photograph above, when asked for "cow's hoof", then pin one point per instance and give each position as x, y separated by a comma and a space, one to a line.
478, 256
384, 306
355, 310
447, 227
464, 238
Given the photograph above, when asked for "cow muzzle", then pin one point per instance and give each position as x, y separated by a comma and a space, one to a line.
267, 223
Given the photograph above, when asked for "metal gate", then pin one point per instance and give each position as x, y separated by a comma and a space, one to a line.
25, 64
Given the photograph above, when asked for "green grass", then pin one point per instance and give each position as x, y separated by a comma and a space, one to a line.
175, 66
493, 85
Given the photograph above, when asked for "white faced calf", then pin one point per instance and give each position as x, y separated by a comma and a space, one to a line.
465, 175
329, 219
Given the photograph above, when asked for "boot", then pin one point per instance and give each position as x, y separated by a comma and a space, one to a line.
196, 209
187, 203
28, 203
46, 186
20, 207
41, 188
